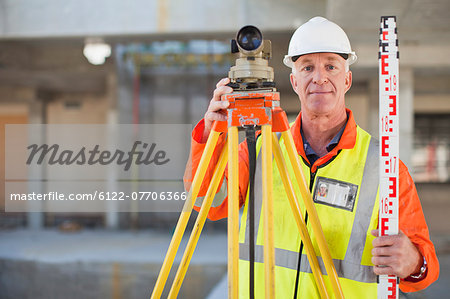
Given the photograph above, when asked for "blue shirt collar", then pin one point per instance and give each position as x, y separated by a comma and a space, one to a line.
311, 154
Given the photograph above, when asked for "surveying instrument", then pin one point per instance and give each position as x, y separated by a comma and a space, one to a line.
254, 104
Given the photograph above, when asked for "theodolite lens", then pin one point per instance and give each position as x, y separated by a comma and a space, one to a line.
249, 38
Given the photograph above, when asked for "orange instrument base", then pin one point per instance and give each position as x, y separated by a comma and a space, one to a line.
254, 109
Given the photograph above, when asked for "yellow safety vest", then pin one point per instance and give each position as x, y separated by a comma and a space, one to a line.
346, 222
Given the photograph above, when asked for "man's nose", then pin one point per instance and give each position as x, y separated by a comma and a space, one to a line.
320, 76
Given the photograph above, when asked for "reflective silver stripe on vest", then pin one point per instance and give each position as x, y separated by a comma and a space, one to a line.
369, 184
350, 267
289, 259
218, 198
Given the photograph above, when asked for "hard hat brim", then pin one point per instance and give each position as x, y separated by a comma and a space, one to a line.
287, 60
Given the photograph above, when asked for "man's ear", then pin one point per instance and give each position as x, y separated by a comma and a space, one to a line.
293, 82
348, 80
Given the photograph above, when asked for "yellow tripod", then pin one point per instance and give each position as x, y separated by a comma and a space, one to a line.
274, 120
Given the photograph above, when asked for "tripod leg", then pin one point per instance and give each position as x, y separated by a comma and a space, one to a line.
198, 226
185, 214
314, 218
293, 201
251, 145
269, 247
233, 212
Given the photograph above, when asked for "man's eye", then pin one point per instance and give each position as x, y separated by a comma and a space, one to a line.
331, 67
307, 68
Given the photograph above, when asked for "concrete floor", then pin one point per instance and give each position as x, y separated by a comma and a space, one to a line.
108, 264
101, 264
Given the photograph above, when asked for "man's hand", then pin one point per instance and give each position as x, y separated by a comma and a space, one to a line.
395, 255
215, 111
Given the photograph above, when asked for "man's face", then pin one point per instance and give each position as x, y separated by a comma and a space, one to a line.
321, 81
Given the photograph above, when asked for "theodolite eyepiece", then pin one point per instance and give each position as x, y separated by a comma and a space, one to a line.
252, 70
249, 38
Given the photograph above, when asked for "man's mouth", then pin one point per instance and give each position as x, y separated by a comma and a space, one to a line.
319, 92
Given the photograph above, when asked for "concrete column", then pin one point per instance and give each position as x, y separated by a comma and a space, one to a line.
35, 220
406, 106
112, 211
124, 88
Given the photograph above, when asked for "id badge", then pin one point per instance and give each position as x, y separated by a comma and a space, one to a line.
335, 193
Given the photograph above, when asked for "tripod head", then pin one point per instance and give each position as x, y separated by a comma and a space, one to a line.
252, 70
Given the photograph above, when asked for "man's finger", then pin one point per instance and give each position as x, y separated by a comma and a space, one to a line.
383, 270
215, 116
221, 90
216, 106
384, 241
382, 251
222, 82
383, 260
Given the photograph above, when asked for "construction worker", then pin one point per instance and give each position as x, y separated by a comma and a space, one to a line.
335, 153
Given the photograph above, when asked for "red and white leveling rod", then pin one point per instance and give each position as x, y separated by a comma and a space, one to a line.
389, 138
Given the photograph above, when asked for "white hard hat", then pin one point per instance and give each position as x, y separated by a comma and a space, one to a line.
316, 36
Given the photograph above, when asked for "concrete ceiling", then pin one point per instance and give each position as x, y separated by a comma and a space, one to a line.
424, 33
418, 21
